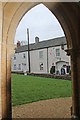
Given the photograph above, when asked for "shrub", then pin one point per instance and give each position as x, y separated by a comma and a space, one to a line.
51, 70
69, 72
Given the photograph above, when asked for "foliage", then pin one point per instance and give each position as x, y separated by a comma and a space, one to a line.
69, 72
51, 70
27, 89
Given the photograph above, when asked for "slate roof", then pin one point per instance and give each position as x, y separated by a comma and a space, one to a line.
42, 44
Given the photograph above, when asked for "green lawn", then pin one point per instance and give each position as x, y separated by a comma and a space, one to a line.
27, 89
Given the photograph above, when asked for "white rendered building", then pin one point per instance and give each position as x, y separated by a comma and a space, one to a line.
43, 56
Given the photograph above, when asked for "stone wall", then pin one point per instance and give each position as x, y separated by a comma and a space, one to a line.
65, 77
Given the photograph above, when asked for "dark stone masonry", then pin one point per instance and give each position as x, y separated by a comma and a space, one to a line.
65, 77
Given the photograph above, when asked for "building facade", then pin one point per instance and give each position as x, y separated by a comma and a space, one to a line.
43, 56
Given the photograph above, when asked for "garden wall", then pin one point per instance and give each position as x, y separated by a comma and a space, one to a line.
65, 77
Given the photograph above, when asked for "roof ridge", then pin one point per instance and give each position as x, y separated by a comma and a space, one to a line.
44, 41
43, 44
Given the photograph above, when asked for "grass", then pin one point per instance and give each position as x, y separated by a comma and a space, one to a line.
27, 89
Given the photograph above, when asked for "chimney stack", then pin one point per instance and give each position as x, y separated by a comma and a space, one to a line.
36, 40
18, 43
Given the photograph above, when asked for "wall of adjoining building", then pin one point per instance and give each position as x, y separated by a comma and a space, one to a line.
53, 59
17, 59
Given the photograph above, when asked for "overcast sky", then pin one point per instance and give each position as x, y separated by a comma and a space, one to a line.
41, 23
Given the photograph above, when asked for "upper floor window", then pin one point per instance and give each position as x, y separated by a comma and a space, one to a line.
14, 66
41, 54
19, 67
57, 52
14, 57
24, 56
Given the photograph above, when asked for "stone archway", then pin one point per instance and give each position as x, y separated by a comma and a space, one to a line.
11, 14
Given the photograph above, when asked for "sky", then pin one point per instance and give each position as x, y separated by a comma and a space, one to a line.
41, 23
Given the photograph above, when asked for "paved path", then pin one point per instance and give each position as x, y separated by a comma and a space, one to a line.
52, 108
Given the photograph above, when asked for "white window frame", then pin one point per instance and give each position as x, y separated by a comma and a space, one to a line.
14, 57
41, 66
41, 54
24, 55
14, 66
57, 52
19, 67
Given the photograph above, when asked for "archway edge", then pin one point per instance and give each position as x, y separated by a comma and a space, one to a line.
60, 10
68, 16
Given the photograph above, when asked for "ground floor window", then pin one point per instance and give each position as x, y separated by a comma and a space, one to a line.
19, 67
14, 66
41, 66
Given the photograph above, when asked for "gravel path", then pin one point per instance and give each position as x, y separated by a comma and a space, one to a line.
52, 108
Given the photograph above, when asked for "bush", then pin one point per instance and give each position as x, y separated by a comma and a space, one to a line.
51, 70
69, 72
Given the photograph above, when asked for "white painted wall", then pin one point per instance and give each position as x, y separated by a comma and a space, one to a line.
53, 59
20, 60
35, 60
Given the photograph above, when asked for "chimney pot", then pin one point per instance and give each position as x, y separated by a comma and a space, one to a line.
36, 40
18, 43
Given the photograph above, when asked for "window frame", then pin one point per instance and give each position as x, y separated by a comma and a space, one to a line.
40, 54
19, 66
57, 52
24, 55
14, 66
14, 57
41, 66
